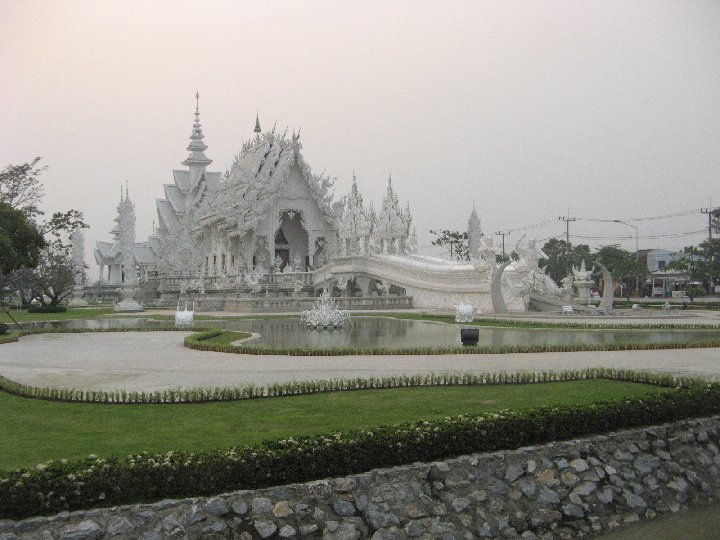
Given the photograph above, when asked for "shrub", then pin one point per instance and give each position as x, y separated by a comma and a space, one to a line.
64, 485
47, 309
4, 329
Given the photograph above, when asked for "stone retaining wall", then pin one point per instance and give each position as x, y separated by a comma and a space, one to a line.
573, 488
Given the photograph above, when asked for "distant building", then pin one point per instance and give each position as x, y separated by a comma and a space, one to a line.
662, 281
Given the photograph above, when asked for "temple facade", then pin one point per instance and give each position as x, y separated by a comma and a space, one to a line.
269, 213
267, 234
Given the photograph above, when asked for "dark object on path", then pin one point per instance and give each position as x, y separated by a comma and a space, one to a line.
469, 336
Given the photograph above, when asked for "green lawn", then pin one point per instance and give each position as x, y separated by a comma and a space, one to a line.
226, 338
21, 315
34, 431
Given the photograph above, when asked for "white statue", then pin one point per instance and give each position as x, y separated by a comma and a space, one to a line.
253, 280
581, 274
297, 288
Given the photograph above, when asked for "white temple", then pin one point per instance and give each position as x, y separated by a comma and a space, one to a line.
267, 234
114, 258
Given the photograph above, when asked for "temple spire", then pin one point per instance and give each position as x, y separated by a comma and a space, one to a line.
197, 147
257, 123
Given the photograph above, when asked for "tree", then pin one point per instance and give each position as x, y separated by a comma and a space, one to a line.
20, 246
20, 241
20, 187
622, 264
456, 242
53, 278
562, 257
701, 263
39, 267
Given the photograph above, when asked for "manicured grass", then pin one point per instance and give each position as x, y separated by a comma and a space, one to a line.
21, 315
226, 338
34, 431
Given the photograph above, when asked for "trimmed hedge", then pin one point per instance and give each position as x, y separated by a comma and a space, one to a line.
300, 388
4, 329
70, 485
10, 337
47, 309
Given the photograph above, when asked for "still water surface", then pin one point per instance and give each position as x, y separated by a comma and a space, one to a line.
389, 333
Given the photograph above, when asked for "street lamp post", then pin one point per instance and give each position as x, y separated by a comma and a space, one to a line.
637, 252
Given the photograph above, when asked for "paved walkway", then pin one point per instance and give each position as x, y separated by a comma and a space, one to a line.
158, 360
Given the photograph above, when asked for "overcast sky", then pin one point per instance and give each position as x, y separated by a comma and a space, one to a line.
606, 110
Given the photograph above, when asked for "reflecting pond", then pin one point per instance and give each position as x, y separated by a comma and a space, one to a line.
391, 333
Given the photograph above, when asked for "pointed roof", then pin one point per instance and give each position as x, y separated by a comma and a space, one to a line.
257, 124
197, 147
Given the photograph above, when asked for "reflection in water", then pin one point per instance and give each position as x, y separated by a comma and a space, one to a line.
389, 333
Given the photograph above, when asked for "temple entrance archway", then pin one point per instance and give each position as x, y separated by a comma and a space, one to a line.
291, 241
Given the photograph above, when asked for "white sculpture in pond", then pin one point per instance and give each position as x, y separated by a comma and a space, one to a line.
464, 313
325, 313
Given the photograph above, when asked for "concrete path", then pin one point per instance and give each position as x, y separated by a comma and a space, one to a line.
158, 360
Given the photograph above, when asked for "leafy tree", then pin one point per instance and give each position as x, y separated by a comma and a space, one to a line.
20, 187
40, 267
500, 258
562, 256
53, 278
20, 246
20, 241
701, 263
622, 264
456, 242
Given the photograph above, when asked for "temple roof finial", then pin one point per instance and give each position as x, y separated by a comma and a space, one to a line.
127, 191
197, 147
257, 123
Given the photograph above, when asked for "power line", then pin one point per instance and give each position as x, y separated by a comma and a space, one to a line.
649, 236
649, 218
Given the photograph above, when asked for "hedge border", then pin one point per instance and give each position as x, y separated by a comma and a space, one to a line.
321, 386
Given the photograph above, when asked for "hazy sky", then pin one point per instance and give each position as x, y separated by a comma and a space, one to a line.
608, 110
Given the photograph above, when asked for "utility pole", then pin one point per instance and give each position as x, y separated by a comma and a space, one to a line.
637, 252
567, 221
503, 234
710, 211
